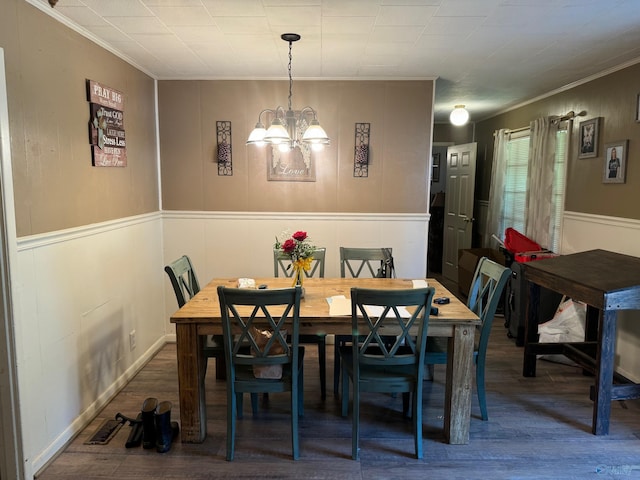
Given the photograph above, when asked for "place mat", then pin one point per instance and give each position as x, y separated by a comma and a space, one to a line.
339, 305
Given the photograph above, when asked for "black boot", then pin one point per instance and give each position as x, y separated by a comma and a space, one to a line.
148, 423
166, 430
135, 436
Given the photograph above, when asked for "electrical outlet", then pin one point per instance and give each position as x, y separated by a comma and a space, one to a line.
132, 340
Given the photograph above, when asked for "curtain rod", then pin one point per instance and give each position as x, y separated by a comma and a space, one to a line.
554, 119
515, 130
568, 116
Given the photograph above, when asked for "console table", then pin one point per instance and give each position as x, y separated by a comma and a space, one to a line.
606, 282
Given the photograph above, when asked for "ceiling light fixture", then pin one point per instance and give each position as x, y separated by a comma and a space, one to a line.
287, 127
459, 116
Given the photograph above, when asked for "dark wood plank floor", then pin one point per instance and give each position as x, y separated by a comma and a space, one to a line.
538, 428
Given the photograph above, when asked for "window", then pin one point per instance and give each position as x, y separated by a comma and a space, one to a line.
515, 188
515, 185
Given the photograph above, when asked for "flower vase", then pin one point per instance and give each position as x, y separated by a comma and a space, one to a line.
298, 278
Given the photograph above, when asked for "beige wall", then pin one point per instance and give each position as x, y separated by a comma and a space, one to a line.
400, 116
55, 185
448, 133
612, 97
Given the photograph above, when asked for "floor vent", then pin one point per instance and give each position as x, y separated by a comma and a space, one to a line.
104, 433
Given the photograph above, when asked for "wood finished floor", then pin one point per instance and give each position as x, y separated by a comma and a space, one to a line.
538, 428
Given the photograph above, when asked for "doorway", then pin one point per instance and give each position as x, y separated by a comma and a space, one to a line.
458, 211
11, 464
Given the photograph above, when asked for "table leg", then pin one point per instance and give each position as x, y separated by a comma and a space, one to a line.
191, 369
531, 331
459, 386
604, 373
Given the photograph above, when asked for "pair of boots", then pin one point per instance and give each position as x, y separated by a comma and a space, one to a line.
152, 427
157, 428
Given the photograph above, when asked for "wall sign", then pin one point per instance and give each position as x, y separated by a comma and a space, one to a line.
106, 126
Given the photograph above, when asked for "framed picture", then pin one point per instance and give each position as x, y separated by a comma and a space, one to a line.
435, 168
297, 165
588, 143
615, 162
638, 108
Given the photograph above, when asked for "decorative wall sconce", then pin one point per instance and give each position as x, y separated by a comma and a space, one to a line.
361, 154
223, 133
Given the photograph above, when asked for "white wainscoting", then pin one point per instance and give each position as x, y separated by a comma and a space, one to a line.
240, 244
583, 232
78, 293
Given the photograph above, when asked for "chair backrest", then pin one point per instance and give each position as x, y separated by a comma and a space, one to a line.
354, 261
183, 279
486, 289
247, 314
375, 314
282, 264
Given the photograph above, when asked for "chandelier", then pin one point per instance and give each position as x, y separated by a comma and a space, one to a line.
288, 126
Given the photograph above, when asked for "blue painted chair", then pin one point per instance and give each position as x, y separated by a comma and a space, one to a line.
374, 366
246, 315
357, 262
282, 264
185, 286
486, 289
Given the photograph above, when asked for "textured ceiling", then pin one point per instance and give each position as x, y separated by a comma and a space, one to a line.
487, 54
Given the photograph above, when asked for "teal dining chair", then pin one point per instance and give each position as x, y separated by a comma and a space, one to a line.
372, 365
185, 285
488, 282
261, 332
359, 262
282, 264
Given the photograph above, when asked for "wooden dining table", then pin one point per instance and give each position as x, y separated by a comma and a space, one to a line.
201, 317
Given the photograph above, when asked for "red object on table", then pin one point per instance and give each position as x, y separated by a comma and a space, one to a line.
516, 242
523, 248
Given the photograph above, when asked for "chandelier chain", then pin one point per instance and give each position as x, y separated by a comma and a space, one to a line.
290, 77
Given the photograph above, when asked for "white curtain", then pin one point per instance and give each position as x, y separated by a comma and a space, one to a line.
539, 203
496, 191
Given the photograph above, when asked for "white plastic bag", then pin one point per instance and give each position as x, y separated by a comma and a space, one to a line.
567, 325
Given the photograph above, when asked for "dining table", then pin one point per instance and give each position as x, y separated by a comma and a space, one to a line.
201, 317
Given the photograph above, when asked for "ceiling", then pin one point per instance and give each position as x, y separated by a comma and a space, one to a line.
487, 54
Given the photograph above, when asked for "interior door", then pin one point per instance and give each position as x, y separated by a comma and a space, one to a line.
458, 208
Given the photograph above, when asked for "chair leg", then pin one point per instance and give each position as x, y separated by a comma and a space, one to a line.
322, 359
301, 392
232, 409
355, 421
345, 392
239, 405
429, 372
254, 404
296, 394
221, 368
406, 404
417, 420
482, 394
336, 365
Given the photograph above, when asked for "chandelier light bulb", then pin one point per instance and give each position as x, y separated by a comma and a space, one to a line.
459, 116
